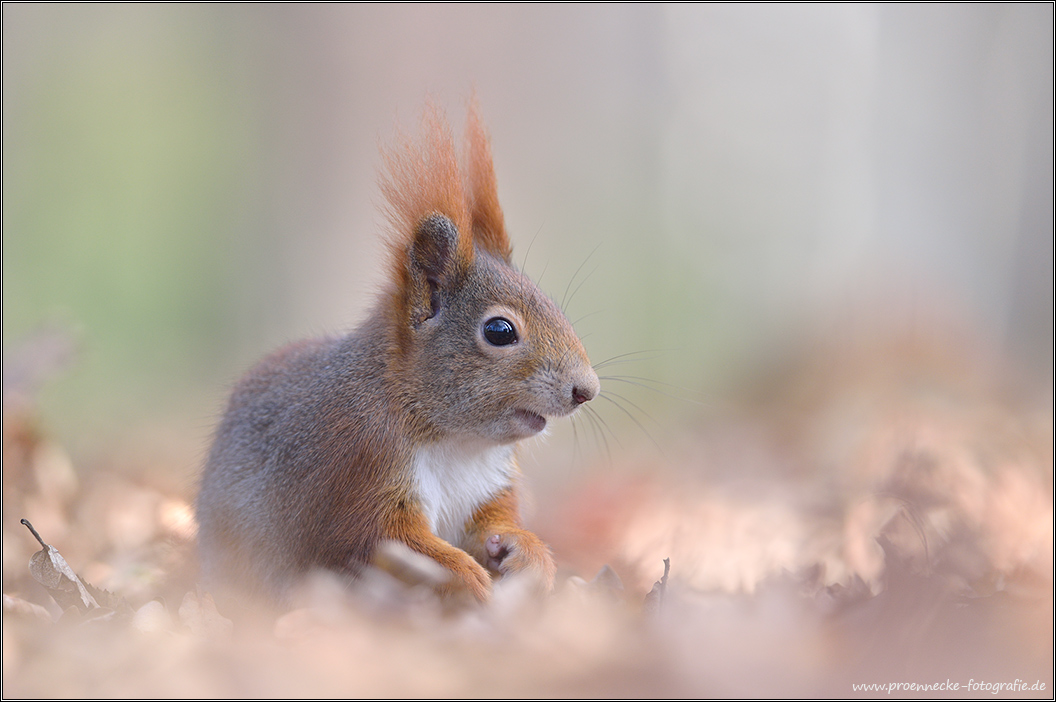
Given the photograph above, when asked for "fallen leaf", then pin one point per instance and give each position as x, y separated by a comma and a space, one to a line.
50, 569
655, 599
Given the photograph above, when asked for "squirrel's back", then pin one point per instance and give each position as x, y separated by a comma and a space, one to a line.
270, 500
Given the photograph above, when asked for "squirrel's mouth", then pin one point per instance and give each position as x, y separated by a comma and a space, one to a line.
533, 422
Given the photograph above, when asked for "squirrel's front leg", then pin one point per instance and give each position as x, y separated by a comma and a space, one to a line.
407, 523
495, 538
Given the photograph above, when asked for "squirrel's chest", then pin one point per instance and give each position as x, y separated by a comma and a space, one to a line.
452, 480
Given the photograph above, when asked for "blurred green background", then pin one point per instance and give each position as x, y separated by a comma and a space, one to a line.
186, 187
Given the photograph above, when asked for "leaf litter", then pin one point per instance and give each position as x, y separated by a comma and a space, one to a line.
850, 528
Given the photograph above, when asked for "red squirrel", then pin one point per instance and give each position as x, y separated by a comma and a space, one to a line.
407, 428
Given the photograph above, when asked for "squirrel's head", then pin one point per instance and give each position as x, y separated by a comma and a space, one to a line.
480, 350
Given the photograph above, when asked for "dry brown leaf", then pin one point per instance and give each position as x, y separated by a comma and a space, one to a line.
50, 569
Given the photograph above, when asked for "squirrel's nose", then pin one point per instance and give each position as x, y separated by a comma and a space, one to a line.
586, 390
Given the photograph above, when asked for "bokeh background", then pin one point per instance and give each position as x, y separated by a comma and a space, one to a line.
188, 187
816, 231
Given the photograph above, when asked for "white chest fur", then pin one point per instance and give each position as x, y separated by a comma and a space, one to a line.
453, 479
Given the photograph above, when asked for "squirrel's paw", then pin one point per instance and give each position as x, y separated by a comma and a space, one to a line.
468, 577
519, 551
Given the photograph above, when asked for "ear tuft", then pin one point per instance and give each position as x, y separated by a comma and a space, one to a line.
482, 194
422, 178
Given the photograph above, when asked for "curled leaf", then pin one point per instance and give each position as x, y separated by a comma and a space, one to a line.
50, 569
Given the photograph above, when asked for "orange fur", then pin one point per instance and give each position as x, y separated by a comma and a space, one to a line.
403, 521
489, 228
424, 178
526, 551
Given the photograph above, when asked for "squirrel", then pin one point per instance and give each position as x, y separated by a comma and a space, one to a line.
406, 428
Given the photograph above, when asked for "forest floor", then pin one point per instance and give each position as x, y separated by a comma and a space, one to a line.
879, 515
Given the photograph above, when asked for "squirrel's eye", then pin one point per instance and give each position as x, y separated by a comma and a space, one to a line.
499, 331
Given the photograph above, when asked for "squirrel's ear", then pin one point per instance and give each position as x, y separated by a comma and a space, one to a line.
489, 228
433, 265
432, 238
